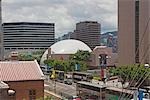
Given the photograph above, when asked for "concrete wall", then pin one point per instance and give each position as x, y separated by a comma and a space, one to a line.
126, 30
144, 28
111, 60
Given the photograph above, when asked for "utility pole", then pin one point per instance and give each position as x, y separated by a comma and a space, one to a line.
53, 76
54, 85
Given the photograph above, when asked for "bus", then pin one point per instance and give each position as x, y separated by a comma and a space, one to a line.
82, 76
90, 91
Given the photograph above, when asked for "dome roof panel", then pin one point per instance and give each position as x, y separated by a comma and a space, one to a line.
69, 46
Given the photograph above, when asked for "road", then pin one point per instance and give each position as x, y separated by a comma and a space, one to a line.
61, 88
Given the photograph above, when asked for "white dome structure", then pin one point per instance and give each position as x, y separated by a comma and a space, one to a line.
69, 46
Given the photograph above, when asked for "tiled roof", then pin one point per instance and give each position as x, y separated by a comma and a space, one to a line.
3, 85
20, 70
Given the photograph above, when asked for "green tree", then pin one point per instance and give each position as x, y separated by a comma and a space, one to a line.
26, 56
83, 65
65, 65
69, 65
81, 55
57, 64
49, 62
131, 73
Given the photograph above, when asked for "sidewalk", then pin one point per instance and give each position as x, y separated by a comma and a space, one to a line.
48, 93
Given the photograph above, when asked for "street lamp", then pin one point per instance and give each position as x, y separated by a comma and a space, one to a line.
101, 62
107, 57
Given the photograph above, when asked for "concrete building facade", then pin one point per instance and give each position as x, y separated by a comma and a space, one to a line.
111, 58
27, 36
133, 31
144, 30
89, 33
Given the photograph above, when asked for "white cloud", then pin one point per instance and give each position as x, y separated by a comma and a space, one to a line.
64, 13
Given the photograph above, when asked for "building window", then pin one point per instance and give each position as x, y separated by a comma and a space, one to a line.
32, 94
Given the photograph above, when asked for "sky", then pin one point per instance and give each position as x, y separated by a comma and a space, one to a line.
64, 13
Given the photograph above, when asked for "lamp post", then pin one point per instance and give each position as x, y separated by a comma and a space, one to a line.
74, 57
100, 61
55, 85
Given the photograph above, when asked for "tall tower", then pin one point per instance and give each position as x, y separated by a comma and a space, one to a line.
1, 34
133, 31
89, 33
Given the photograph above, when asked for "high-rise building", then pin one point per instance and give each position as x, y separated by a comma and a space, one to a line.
133, 31
110, 39
1, 35
88, 32
27, 36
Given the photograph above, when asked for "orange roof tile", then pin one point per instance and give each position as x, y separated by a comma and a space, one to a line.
20, 70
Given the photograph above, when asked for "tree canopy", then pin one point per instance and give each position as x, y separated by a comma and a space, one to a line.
81, 55
78, 59
130, 73
65, 65
29, 56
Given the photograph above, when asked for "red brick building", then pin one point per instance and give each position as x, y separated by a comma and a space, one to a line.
24, 79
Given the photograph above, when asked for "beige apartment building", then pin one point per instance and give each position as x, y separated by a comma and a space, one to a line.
133, 31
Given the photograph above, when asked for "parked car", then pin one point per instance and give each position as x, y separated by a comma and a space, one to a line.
68, 81
74, 98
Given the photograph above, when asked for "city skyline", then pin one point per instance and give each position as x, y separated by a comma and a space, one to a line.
64, 13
